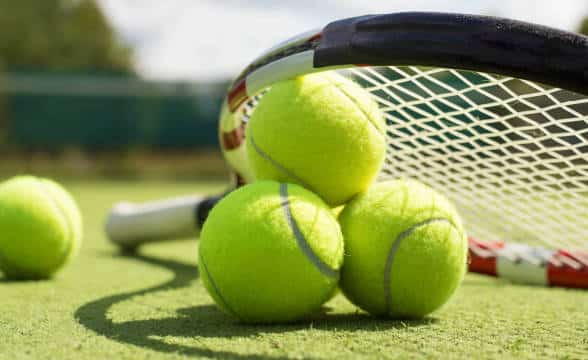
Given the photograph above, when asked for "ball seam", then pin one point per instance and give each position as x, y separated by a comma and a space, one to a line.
216, 289
357, 105
276, 164
62, 213
392, 253
303, 244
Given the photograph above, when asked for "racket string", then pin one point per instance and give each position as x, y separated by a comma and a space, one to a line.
512, 154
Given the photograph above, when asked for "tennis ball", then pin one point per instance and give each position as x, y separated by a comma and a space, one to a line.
270, 253
405, 247
321, 131
40, 227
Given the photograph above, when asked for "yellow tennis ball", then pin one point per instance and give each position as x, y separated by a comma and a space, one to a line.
405, 247
321, 131
270, 253
40, 227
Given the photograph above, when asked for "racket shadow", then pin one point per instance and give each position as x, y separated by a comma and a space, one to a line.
206, 321
142, 333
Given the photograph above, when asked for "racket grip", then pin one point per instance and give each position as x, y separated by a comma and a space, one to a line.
130, 225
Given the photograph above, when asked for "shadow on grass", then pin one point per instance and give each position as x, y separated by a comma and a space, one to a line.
207, 320
17, 281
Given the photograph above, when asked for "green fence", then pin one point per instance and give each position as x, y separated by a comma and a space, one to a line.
54, 111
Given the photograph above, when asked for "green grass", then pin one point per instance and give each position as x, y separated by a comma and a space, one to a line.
109, 306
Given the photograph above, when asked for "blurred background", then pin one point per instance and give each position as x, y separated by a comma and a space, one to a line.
132, 88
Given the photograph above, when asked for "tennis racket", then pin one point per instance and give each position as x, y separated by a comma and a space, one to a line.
492, 112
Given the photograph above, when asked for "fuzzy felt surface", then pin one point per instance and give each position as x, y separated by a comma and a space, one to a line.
270, 252
40, 227
321, 131
406, 249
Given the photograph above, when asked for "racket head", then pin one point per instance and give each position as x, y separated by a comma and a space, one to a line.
492, 112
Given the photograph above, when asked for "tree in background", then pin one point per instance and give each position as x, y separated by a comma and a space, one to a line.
60, 35
584, 26
3, 117
54, 35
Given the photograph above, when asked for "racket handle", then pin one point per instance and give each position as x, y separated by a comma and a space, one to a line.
130, 225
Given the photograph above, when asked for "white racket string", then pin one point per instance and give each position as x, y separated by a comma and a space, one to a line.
511, 154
